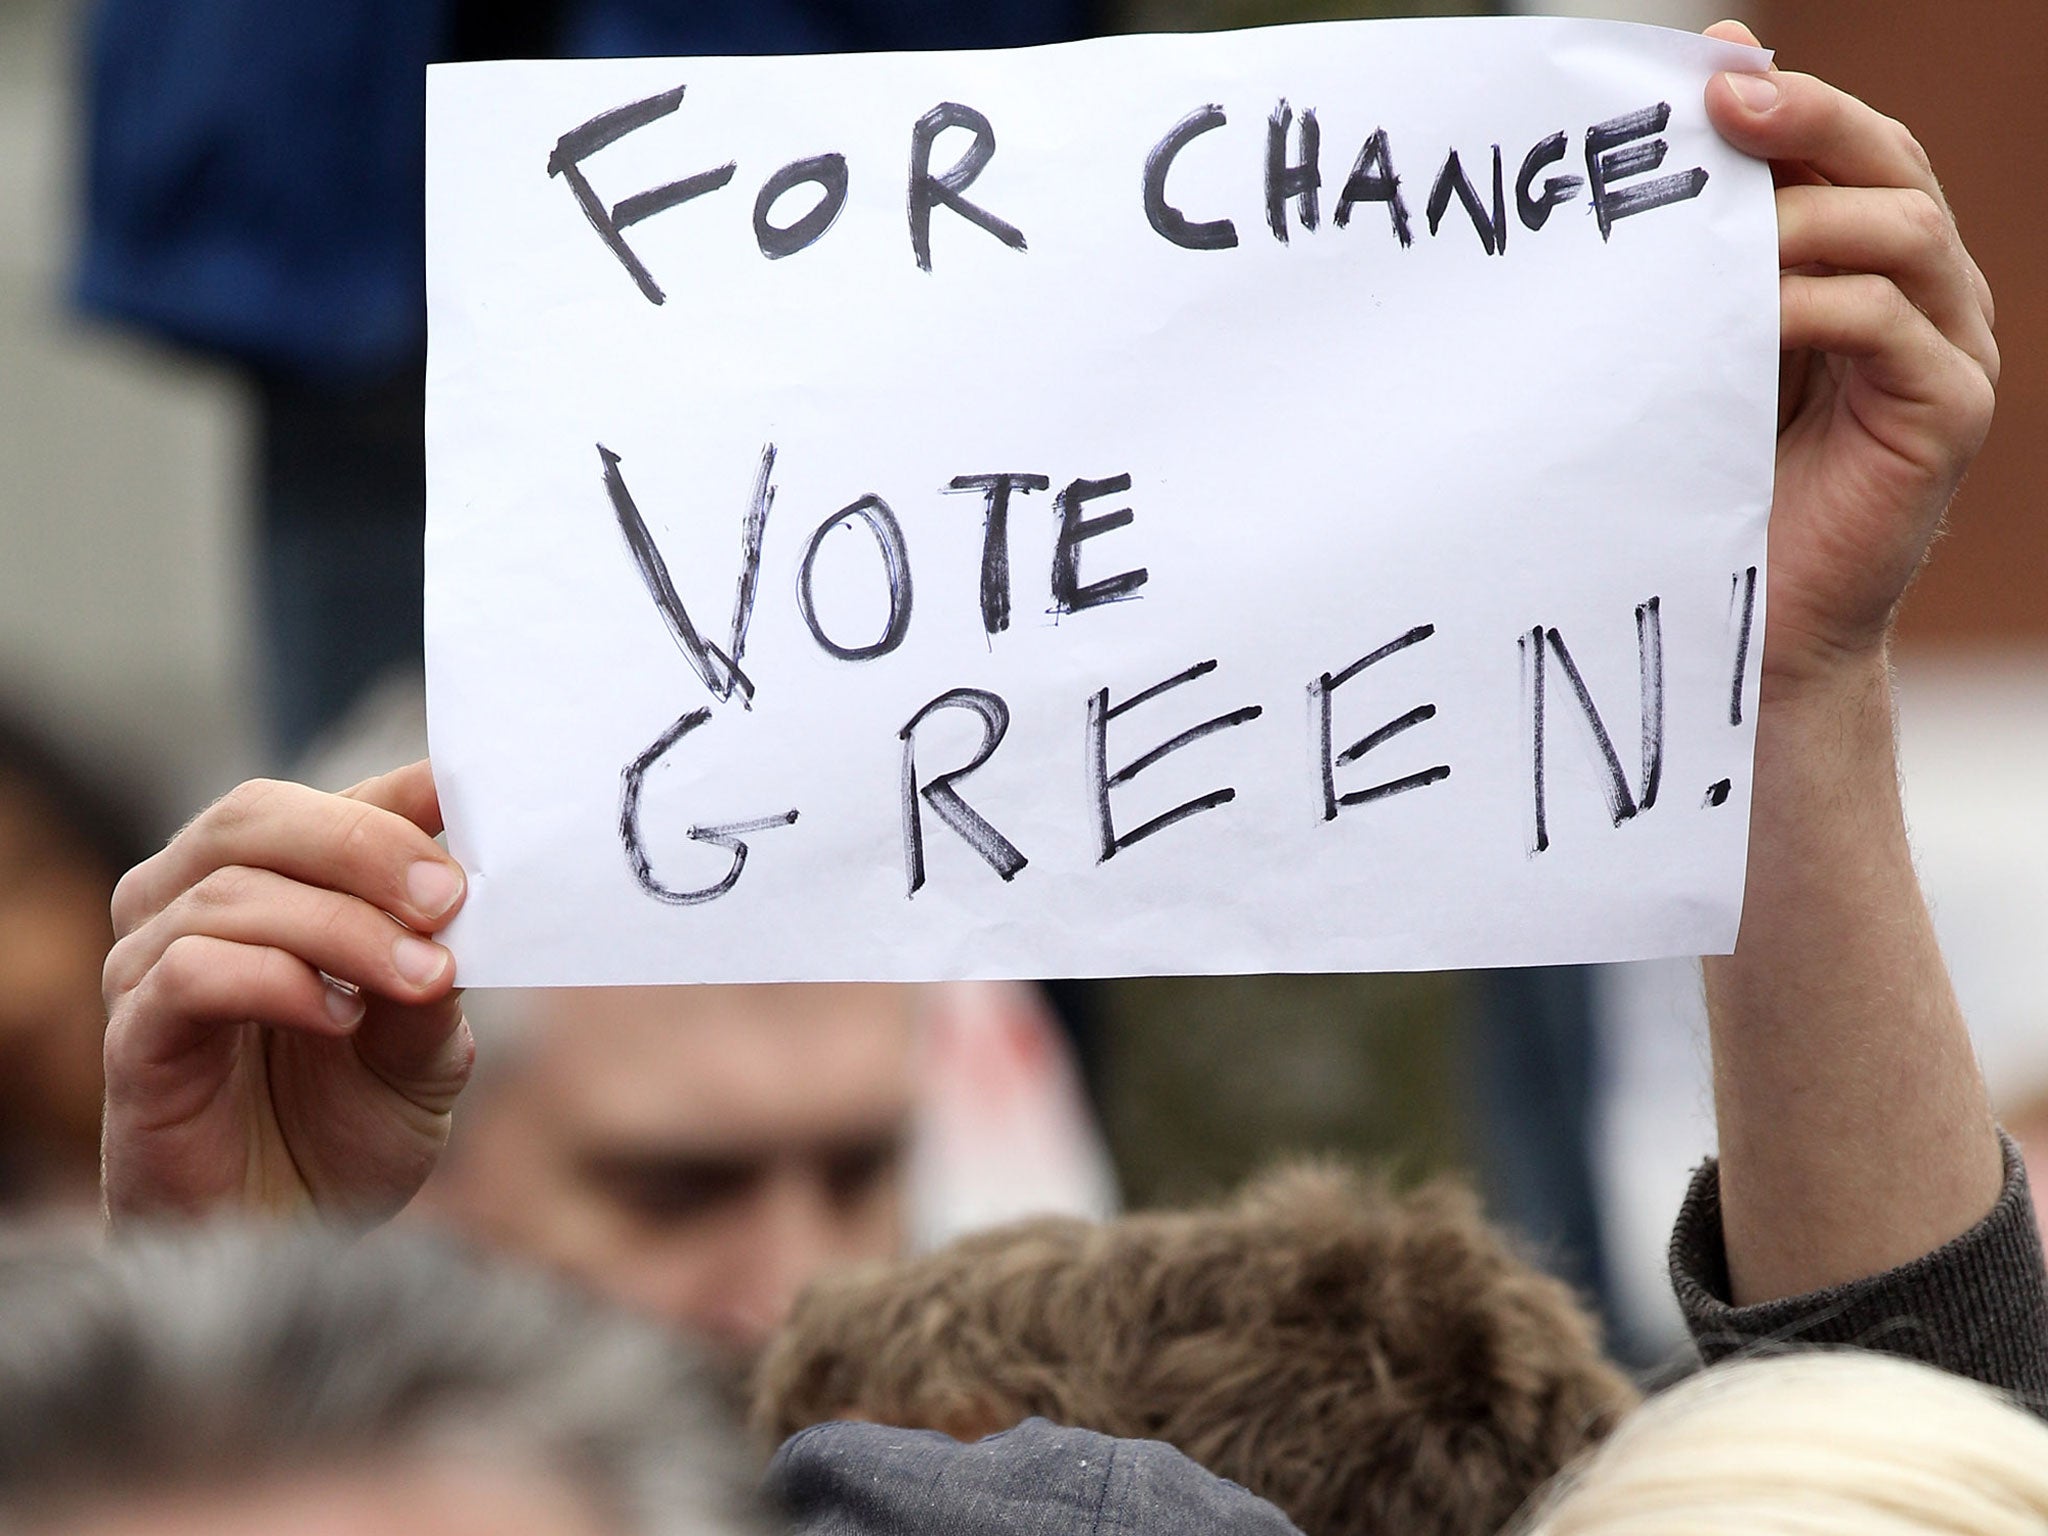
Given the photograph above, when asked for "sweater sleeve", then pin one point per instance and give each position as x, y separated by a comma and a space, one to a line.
1977, 1306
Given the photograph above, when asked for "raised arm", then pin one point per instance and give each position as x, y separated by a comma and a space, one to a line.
1855, 1133
283, 1032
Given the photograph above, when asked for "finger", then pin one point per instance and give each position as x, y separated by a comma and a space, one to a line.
1784, 173
1813, 133
1732, 32
201, 984
407, 792
423, 1054
349, 845
340, 935
1947, 398
1982, 285
1900, 233
1785, 116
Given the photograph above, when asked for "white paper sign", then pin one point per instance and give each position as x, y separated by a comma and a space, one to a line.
1281, 500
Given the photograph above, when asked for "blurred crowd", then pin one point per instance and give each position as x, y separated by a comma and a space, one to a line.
962, 1258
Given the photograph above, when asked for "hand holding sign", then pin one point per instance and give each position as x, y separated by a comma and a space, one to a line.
280, 1031
1891, 364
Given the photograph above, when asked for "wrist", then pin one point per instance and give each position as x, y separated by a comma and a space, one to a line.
1826, 815
1823, 678
1826, 746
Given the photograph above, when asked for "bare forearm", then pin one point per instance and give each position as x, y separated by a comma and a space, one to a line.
1855, 1133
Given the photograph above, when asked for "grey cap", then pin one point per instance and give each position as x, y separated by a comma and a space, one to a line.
1038, 1479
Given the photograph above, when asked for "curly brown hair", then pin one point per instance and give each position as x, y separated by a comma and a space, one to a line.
1371, 1362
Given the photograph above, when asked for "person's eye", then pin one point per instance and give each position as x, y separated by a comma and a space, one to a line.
670, 1191
855, 1174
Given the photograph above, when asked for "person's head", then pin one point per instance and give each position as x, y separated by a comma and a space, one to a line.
697, 1153
1836, 1443
64, 843
234, 1380
1370, 1362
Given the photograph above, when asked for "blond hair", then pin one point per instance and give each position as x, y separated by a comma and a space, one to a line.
1816, 1443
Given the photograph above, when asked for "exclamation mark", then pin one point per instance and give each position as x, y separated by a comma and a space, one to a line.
1744, 588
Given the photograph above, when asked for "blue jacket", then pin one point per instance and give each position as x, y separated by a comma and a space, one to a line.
255, 168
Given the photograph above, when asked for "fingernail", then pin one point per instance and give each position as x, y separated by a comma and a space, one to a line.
1759, 93
344, 1006
433, 886
418, 961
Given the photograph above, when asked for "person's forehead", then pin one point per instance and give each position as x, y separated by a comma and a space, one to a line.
716, 1066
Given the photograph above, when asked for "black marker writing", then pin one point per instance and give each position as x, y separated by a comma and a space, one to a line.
1623, 803
999, 852
1492, 227
828, 173
719, 669
1650, 675
1621, 148
1742, 597
727, 836
927, 190
1620, 155
1319, 693
1101, 781
1296, 180
752, 531
1745, 585
995, 540
881, 522
1372, 180
1535, 210
1068, 595
578, 144
1216, 234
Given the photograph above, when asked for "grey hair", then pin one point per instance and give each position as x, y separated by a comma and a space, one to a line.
198, 1355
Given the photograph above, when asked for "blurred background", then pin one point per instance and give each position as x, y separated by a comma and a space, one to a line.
141, 572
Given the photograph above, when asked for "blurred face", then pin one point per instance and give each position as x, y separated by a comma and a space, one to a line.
696, 1153
54, 936
381, 1501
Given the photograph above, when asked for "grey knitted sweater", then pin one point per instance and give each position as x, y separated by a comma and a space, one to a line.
1976, 1306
